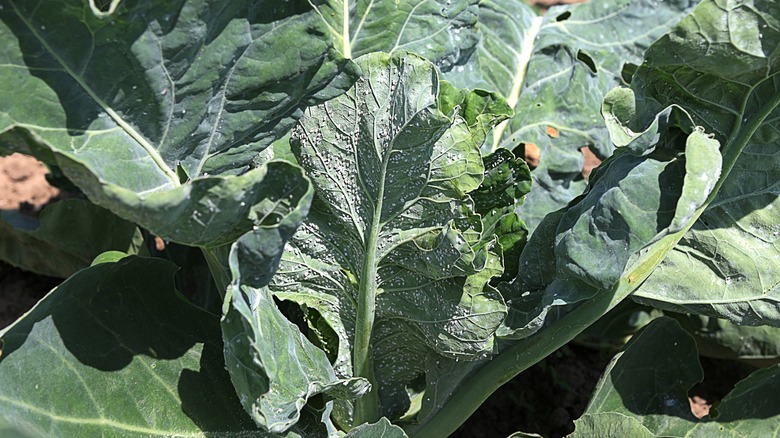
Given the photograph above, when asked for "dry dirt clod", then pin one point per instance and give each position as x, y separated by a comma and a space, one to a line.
23, 180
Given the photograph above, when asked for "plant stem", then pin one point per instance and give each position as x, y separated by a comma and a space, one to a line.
524, 354
367, 409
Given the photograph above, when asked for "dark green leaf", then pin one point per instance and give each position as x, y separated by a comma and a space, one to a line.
115, 350
66, 237
443, 31
643, 393
149, 107
721, 339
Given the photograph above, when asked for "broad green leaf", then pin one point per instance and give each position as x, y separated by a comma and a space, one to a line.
634, 200
274, 368
116, 351
66, 237
643, 393
381, 429
443, 31
391, 255
726, 265
149, 107
554, 71
585, 258
7, 431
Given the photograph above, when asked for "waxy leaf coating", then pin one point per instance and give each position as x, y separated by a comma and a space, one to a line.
148, 106
391, 231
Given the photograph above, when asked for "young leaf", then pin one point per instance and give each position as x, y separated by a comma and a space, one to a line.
443, 31
66, 237
138, 100
114, 350
554, 71
385, 255
643, 393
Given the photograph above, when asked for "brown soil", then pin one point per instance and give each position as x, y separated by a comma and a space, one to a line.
23, 186
23, 181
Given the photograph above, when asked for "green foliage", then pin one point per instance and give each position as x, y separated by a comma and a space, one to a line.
382, 261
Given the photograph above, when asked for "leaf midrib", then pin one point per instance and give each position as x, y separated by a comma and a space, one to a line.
523, 59
132, 132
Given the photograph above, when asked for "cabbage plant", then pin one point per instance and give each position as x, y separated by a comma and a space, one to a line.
354, 244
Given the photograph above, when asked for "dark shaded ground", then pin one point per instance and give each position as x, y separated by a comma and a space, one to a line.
545, 399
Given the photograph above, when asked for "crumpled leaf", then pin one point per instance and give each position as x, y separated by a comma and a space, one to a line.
643, 393
115, 350
634, 200
149, 107
442, 31
392, 226
507, 182
274, 368
66, 237
729, 257
554, 71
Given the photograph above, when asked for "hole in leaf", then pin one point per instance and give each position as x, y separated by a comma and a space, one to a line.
563, 17
102, 5
627, 72
591, 161
530, 153
587, 60
552, 132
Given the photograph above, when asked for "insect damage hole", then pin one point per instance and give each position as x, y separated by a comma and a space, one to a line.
587, 60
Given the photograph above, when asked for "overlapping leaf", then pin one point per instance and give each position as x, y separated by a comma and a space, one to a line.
644, 199
443, 31
643, 393
391, 221
116, 351
554, 71
136, 100
66, 237
728, 79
